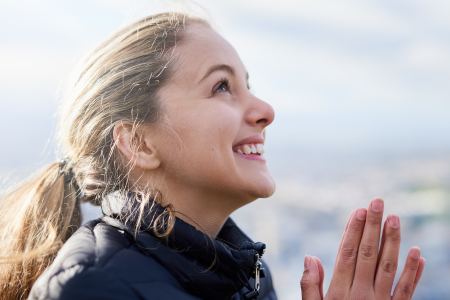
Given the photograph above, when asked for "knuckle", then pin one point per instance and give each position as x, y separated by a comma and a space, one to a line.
305, 283
407, 290
367, 252
356, 226
394, 238
413, 267
374, 220
349, 253
389, 267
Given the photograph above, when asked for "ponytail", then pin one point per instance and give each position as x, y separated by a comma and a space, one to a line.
118, 82
36, 218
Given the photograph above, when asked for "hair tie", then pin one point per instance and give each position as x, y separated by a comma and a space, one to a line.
69, 175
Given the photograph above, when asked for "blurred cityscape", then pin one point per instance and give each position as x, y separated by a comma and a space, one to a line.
308, 213
309, 210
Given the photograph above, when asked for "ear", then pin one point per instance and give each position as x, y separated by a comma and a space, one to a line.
137, 145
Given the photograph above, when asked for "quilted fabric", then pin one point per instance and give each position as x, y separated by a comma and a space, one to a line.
107, 259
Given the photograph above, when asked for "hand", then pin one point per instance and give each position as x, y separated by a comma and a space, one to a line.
361, 270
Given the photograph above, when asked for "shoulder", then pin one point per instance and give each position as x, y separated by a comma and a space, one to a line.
100, 262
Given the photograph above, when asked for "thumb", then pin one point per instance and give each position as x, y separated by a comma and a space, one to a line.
310, 280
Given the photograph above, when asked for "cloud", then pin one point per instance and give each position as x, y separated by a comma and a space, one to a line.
427, 56
361, 16
26, 72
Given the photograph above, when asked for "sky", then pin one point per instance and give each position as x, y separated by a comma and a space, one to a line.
345, 78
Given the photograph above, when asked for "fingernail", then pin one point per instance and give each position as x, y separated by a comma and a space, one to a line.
394, 221
361, 213
377, 205
307, 262
415, 252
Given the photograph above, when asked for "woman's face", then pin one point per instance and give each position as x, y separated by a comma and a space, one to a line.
211, 121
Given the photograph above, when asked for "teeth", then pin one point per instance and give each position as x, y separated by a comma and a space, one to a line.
251, 149
247, 149
260, 148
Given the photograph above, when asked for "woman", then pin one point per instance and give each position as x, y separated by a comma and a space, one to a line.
161, 131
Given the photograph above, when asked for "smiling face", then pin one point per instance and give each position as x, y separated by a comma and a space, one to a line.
212, 134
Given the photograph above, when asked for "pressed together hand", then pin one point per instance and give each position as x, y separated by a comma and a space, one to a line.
362, 270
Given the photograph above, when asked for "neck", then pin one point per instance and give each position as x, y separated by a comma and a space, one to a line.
207, 212
206, 215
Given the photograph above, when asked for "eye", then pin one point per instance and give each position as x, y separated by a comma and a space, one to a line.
222, 86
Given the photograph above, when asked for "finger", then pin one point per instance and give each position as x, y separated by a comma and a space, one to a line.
419, 272
368, 249
405, 286
310, 280
343, 235
346, 261
321, 275
383, 240
387, 266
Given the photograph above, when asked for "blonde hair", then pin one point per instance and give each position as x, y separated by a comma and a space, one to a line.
119, 81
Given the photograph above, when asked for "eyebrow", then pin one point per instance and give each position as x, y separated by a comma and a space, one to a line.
221, 67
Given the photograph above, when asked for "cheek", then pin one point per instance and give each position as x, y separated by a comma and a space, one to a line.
211, 141
202, 143
198, 152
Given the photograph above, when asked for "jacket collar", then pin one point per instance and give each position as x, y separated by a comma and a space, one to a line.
205, 267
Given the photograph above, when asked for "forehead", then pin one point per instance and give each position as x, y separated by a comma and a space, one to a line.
202, 48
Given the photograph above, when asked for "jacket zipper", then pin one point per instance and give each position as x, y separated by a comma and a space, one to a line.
258, 273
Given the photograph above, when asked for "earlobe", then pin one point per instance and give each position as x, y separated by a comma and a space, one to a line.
136, 146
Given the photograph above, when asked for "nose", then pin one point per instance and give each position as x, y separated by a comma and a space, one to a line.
259, 113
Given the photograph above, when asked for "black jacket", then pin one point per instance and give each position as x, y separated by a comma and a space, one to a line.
106, 259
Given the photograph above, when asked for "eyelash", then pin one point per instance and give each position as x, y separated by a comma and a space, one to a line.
223, 83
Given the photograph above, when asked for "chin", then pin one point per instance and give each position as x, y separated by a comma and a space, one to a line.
264, 188
269, 191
